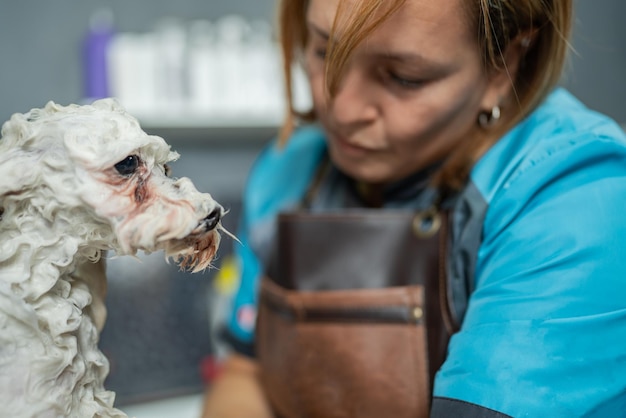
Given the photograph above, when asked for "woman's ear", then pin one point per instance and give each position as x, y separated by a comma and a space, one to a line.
502, 79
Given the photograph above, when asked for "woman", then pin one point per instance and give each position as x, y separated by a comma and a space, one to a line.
454, 103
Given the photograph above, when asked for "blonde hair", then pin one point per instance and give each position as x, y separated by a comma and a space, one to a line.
498, 23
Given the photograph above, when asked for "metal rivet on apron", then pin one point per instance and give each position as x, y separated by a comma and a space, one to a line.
426, 223
418, 313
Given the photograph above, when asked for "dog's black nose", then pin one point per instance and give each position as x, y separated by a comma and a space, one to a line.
212, 219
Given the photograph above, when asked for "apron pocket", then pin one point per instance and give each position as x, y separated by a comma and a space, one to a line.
344, 353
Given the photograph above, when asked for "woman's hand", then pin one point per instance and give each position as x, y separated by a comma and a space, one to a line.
237, 392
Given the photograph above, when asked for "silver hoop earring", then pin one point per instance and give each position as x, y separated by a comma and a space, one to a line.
487, 119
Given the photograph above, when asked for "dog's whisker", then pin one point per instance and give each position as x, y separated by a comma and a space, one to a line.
221, 228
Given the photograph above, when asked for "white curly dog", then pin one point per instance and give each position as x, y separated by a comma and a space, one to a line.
77, 181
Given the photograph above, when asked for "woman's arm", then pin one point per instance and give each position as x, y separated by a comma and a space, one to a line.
544, 328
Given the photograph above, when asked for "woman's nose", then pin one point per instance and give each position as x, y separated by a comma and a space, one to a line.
354, 102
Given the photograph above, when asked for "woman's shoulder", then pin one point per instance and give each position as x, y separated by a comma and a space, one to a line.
549, 268
281, 173
561, 136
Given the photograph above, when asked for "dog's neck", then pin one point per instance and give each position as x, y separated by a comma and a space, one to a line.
46, 263
36, 255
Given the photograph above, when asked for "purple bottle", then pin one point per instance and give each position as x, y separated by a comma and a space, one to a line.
94, 55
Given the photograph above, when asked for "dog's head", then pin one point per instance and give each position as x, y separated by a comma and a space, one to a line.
91, 171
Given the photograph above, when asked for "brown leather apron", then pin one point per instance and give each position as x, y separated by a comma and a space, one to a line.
354, 319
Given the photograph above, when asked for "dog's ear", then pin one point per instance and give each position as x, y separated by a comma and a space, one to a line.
19, 158
18, 172
30, 182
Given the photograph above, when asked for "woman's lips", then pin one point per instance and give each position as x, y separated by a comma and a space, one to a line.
352, 148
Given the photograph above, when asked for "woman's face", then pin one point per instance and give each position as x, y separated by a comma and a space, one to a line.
411, 91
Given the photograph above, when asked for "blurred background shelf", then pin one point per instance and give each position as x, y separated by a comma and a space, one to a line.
225, 131
177, 132
208, 122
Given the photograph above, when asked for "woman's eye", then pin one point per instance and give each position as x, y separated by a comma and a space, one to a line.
320, 53
405, 82
128, 165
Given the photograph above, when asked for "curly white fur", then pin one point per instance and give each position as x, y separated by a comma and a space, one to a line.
64, 200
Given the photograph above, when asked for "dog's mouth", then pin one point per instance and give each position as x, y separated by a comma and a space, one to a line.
196, 251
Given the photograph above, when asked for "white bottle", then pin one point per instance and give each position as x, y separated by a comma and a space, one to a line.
202, 69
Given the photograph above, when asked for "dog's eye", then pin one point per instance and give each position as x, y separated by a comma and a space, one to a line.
128, 165
167, 169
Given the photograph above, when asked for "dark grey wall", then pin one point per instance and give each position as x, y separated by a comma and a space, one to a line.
597, 70
40, 46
